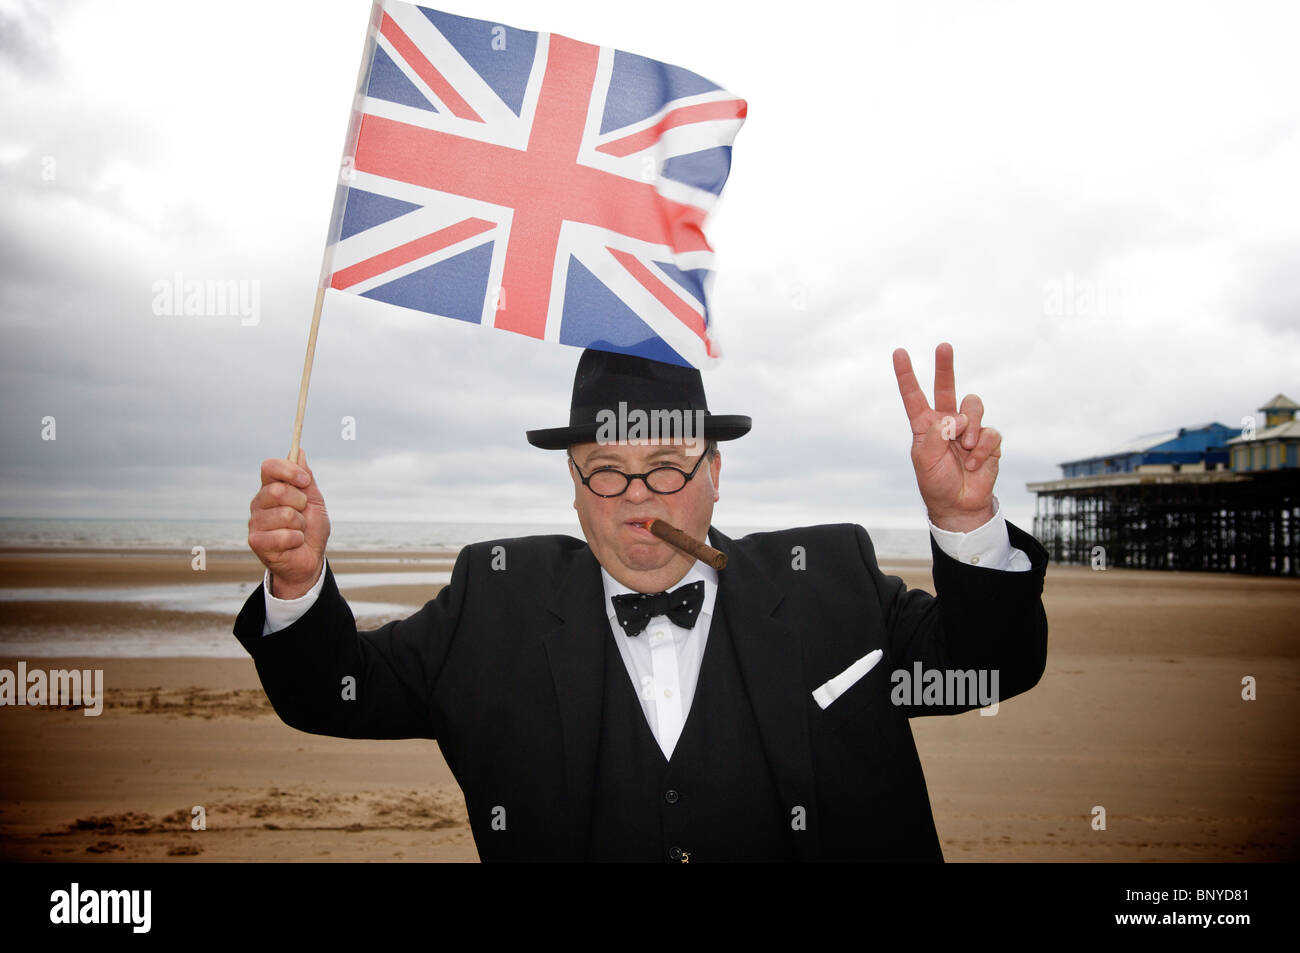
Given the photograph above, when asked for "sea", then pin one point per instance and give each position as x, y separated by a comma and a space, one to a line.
196, 636
382, 537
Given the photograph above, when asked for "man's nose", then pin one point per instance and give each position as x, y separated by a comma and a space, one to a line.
638, 490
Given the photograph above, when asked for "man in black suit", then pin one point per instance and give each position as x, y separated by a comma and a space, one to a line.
619, 700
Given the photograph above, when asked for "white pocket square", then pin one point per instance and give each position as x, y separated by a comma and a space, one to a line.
832, 689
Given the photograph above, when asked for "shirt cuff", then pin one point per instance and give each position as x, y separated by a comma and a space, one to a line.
988, 546
282, 613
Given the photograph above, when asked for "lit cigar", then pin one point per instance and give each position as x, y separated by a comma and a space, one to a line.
691, 547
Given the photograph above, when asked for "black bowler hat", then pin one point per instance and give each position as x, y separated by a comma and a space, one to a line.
604, 380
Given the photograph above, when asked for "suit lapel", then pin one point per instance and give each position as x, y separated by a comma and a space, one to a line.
771, 665
575, 650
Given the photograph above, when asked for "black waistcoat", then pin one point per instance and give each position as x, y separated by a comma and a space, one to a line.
715, 800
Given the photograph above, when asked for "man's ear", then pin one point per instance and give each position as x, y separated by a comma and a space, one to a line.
715, 468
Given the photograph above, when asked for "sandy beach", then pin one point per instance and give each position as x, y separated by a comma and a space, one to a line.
1140, 712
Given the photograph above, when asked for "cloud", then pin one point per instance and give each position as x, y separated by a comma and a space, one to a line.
27, 43
1099, 215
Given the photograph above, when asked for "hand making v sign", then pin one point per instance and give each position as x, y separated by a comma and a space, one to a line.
955, 457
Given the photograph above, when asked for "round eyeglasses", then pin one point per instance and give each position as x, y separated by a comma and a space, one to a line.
608, 481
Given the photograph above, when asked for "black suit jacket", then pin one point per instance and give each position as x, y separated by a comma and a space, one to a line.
505, 668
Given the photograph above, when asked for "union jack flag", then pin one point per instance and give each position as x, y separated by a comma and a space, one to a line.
533, 183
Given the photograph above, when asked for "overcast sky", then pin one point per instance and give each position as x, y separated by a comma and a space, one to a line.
1097, 204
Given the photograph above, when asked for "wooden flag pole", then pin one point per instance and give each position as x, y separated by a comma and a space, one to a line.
306, 374
336, 217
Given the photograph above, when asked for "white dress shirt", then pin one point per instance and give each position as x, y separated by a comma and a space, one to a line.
663, 662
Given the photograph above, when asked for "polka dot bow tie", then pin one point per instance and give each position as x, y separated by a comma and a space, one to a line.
634, 610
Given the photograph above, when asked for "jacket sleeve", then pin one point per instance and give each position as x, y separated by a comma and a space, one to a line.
324, 677
979, 620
